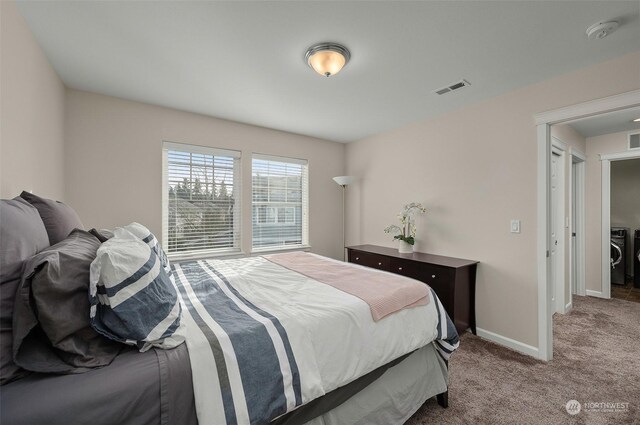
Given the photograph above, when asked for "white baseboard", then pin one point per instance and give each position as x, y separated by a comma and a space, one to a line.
591, 293
568, 307
509, 343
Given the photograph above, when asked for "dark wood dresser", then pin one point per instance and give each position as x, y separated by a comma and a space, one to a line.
452, 279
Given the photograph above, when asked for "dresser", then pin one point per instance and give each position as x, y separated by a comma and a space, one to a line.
452, 279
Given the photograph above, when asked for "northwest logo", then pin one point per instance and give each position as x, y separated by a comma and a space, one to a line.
573, 407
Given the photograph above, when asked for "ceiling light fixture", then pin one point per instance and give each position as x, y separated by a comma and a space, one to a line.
601, 29
327, 59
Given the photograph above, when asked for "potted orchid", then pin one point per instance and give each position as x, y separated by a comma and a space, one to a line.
406, 232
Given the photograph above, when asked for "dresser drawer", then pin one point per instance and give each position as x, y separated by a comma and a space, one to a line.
436, 276
380, 262
442, 281
405, 268
427, 273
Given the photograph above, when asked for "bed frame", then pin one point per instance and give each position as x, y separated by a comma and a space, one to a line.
443, 399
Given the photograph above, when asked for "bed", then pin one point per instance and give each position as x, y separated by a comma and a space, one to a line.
265, 343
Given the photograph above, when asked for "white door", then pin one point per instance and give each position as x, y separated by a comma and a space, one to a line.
574, 230
557, 230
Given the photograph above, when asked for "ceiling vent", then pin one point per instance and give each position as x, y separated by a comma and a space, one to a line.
455, 86
634, 141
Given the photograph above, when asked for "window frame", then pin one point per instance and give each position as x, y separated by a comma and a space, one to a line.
304, 203
237, 206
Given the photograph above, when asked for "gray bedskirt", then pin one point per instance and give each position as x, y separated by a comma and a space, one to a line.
155, 387
396, 395
148, 388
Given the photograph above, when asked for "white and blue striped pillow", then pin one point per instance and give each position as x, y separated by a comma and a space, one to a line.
133, 299
150, 239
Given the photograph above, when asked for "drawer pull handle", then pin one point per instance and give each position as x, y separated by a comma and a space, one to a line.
357, 258
379, 264
433, 276
400, 268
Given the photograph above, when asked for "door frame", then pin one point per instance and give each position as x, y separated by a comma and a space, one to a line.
578, 160
559, 148
543, 122
605, 252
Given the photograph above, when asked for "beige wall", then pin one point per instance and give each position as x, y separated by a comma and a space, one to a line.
625, 200
31, 113
475, 169
565, 133
114, 163
574, 142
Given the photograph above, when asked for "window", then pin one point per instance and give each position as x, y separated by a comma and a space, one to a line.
280, 202
276, 215
201, 200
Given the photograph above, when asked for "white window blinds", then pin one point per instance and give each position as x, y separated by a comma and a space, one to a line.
280, 202
201, 200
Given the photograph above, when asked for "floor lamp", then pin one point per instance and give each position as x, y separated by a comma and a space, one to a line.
344, 181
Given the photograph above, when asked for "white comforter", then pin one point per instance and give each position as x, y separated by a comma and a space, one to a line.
331, 333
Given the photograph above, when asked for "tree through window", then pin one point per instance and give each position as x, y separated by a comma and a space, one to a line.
201, 199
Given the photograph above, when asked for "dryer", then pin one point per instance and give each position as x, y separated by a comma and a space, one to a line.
619, 255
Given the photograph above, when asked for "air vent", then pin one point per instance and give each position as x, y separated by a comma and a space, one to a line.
634, 141
455, 86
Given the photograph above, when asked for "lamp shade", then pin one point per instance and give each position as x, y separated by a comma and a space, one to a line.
344, 180
327, 59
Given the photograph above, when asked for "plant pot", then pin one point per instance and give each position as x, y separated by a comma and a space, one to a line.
405, 248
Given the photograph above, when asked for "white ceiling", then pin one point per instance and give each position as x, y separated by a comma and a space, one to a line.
613, 122
243, 61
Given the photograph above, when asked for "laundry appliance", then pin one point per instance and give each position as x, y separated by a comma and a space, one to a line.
619, 245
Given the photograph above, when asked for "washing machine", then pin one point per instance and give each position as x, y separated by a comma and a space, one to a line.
619, 255
636, 259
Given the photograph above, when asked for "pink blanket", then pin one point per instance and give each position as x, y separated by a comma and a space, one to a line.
386, 293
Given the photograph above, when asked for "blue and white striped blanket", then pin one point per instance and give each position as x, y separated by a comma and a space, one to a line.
264, 340
447, 340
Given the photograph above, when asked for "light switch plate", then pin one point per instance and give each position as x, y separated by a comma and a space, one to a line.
515, 226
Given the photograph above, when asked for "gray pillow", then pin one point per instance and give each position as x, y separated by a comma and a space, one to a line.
51, 331
59, 219
22, 235
103, 235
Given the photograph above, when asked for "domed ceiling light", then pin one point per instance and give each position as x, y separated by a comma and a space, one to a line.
327, 59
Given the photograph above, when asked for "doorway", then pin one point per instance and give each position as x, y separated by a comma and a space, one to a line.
567, 186
625, 228
577, 245
544, 121
557, 226
631, 157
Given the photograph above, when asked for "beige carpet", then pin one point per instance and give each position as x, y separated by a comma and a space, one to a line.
596, 359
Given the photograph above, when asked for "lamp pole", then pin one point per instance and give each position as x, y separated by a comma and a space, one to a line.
344, 181
344, 235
